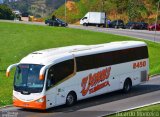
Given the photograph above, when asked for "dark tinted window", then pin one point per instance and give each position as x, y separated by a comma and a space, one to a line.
111, 58
59, 72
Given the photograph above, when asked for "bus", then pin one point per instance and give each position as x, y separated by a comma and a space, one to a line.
64, 75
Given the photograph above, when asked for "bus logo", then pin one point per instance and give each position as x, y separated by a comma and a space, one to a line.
96, 81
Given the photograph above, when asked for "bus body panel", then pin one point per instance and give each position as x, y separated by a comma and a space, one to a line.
116, 80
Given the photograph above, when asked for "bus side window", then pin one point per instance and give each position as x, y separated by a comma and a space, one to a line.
59, 72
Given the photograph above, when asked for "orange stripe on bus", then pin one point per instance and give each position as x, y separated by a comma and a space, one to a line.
31, 105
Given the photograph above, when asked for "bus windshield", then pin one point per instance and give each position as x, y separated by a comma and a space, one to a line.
26, 79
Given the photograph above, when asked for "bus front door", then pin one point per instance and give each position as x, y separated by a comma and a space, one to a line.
51, 98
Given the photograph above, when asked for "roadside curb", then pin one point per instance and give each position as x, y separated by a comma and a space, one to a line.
146, 105
6, 106
155, 75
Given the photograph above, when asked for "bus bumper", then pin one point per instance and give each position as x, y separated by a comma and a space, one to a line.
30, 105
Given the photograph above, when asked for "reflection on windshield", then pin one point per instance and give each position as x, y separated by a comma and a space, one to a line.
27, 78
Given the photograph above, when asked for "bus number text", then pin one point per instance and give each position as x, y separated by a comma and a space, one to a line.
139, 64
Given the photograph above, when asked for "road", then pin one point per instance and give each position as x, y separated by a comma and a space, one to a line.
145, 93
141, 34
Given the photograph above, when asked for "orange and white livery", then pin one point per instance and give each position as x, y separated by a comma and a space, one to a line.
64, 75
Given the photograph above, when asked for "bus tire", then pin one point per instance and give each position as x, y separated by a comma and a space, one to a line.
127, 85
71, 98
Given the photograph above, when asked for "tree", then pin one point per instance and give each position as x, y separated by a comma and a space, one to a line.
21, 5
6, 12
132, 10
136, 10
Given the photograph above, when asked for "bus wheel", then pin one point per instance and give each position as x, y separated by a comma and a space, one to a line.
71, 99
127, 85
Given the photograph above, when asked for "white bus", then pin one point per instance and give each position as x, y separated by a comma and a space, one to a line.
64, 75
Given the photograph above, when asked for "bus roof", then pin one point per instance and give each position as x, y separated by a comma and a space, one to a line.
48, 56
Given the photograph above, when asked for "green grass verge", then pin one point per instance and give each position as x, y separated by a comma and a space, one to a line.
149, 111
18, 40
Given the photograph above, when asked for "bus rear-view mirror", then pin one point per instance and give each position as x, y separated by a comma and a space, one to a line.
9, 69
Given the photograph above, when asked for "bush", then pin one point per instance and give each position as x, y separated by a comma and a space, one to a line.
6, 12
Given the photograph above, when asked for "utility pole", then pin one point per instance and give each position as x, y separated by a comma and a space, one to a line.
65, 10
156, 21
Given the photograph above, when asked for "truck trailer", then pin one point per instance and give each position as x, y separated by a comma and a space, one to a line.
94, 19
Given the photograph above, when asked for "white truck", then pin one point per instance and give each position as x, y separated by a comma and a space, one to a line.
94, 18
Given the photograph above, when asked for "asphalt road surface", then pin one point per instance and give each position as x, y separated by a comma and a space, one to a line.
142, 34
143, 94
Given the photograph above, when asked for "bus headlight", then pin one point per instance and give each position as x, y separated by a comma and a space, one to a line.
40, 100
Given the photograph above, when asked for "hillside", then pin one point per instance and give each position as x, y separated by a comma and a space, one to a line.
38, 8
127, 10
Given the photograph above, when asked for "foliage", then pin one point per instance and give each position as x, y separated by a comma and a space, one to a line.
127, 10
22, 6
77, 12
38, 8
6, 12
136, 10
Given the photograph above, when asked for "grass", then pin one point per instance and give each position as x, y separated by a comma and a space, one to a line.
18, 40
149, 111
